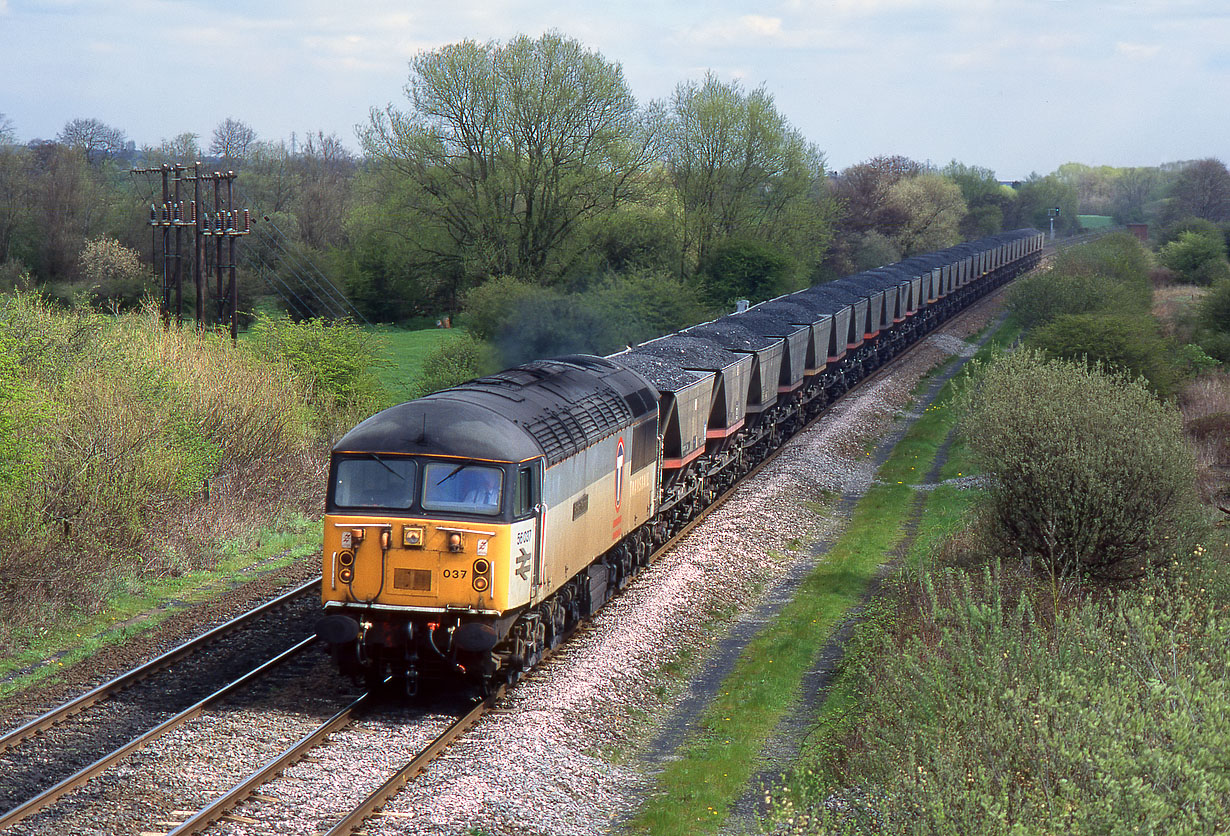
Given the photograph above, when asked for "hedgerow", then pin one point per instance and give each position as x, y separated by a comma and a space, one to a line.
130, 449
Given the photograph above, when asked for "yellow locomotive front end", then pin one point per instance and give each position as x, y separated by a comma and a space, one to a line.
424, 560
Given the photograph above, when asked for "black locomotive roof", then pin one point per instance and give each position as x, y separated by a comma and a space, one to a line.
552, 408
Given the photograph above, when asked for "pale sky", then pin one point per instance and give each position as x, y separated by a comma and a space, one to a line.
1013, 85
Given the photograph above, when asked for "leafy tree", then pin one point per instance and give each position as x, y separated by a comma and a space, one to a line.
741, 171
985, 199
743, 269
1172, 231
1202, 190
1038, 196
322, 176
182, 148
1095, 186
268, 178
1090, 472
1127, 343
115, 271
17, 178
506, 152
7, 134
863, 191
92, 138
1133, 190
231, 140
931, 208
1197, 258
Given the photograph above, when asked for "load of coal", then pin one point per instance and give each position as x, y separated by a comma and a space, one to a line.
690, 352
667, 375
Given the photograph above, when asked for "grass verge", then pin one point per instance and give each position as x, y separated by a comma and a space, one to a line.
402, 356
146, 602
696, 793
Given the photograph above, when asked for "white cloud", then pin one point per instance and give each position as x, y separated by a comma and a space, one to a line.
1137, 51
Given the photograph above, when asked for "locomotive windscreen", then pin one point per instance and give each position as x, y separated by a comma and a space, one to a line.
374, 482
464, 488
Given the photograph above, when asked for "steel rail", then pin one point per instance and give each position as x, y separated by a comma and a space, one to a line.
126, 680
43, 799
417, 766
223, 803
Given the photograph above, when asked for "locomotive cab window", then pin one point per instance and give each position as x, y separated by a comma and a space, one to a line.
463, 488
374, 482
527, 492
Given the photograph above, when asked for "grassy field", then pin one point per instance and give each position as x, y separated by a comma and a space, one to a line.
402, 354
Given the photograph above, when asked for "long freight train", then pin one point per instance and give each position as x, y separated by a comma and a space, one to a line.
467, 531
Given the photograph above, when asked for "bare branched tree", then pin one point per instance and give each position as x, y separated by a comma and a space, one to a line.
232, 139
92, 137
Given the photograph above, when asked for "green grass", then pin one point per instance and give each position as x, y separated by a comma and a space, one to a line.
141, 605
696, 792
402, 354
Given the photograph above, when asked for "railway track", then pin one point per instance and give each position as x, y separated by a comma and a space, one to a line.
64, 748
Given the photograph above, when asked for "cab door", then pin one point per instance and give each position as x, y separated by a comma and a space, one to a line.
528, 512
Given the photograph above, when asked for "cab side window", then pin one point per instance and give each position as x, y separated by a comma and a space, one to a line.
526, 496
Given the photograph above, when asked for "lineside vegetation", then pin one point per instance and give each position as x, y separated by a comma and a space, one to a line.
1058, 663
129, 450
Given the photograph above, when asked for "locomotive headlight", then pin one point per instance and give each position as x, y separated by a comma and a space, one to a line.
345, 574
480, 581
412, 536
345, 557
455, 542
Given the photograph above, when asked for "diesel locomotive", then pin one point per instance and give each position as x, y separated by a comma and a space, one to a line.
469, 530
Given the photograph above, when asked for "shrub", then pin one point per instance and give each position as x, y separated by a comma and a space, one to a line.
1110, 273
1197, 258
1131, 344
115, 427
1041, 296
1119, 256
115, 273
1090, 473
456, 361
752, 270
334, 359
1214, 317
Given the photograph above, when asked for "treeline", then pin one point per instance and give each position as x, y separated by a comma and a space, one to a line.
532, 162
